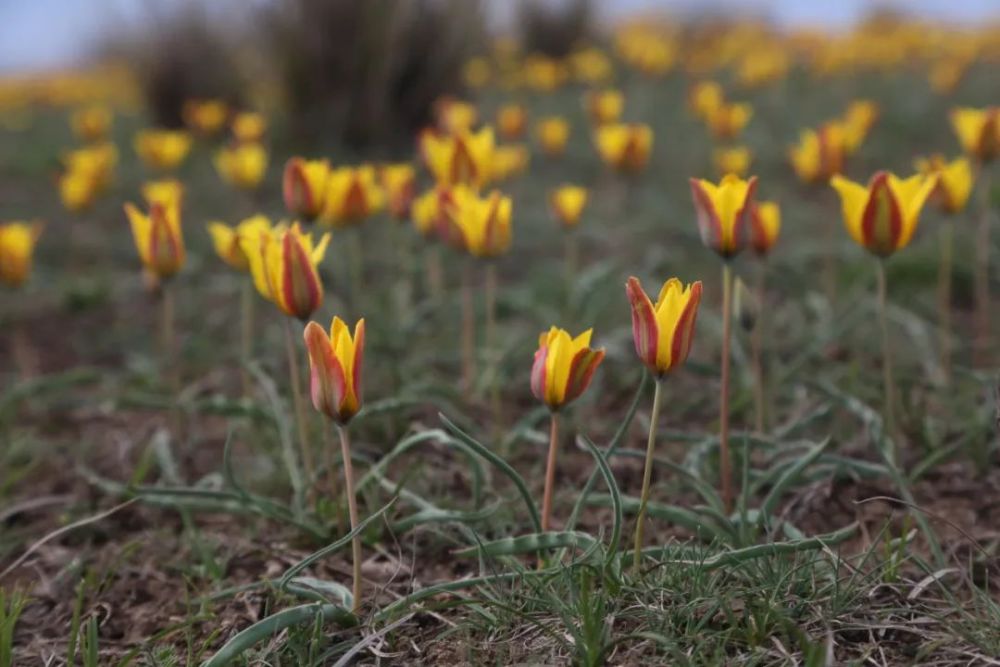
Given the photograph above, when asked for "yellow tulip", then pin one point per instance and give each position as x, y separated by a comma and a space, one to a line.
705, 98
857, 122
17, 248
663, 332
228, 241
954, 181
92, 123
483, 225
512, 119
77, 190
162, 149
728, 120
591, 66
543, 73
464, 158
819, 154
335, 368
624, 147
206, 117
563, 366
509, 161
168, 192
399, 181
455, 116
552, 133
158, 236
735, 160
883, 215
97, 162
427, 210
242, 165
604, 106
352, 195
283, 264
249, 126
567, 203
304, 186
724, 212
978, 131
765, 224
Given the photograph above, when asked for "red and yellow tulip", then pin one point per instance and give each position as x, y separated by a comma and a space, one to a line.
567, 203
624, 147
954, 181
819, 155
978, 131
883, 215
162, 149
563, 367
663, 331
228, 241
158, 236
303, 186
17, 249
352, 195
335, 362
727, 120
482, 224
765, 225
242, 165
283, 264
724, 212
249, 126
399, 183
465, 158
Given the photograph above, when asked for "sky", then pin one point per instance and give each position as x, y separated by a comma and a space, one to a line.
40, 34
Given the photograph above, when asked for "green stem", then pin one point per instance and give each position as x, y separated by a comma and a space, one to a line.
647, 474
493, 354
468, 328
887, 381
725, 473
944, 297
352, 509
299, 406
246, 336
981, 341
756, 348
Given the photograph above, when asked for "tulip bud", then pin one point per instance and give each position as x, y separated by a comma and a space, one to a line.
335, 368
563, 366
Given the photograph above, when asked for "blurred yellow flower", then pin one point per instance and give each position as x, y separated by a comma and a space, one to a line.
77, 190
92, 123
509, 161
858, 120
728, 120
465, 158
567, 203
543, 73
162, 149
455, 116
283, 264
17, 248
765, 224
705, 98
158, 236
476, 72
484, 223
733, 160
512, 119
591, 66
978, 131
228, 241
97, 162
954, 181
624, 147
303, 186
399, 182
206, 117
249, 126
352, 195
552, 133
604, 106
242, 165
819, 154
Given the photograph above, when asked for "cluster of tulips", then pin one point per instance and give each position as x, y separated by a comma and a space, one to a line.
463, 211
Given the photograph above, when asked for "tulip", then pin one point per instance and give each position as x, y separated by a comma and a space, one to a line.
304, 186
168, 192
399, 184
728, 120
819, 154
734, 160
77, 191
512, 119
455, 116
543, 74
162, 149
883, 215
96, 163
509, 161
484, 223
705, 98
765, 223
465, 158
91, 124
17, 247
624, 147
567, 203
249, 127
604, 106
882, 218
723, 212
335, 385
954, 185
562, 370
591, 66
978, 131
552, 133
158, 236
206, 117
283, 263
857, 121
243, 165
662, 334
352, 194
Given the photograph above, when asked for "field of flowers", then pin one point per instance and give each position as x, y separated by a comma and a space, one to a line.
678, 349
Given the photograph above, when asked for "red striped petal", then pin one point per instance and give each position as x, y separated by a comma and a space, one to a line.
538, 374
680, 345
302, 293
645, 331
581, 370
882, 219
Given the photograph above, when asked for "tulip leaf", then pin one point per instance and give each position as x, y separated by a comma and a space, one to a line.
615, 497
524, 544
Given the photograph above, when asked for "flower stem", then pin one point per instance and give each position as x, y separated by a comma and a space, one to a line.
550, 470
356, 265
300, 417
944, 298
647, 474
981, 340
168, 339
572, 259
352, 509
246, 337
493, 354
756, 345
726, 481
434, 274
468, 328
888, 385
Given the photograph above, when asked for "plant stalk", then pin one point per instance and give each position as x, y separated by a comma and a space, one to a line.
647, 475
944, 298
887, 381
433, 272
550, 470
468, 328
981, 341
298, 405
757, 353
246, 334
725, 473
493, 354
352, 509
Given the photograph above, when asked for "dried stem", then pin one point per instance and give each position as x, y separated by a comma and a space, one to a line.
550, 470
647, 474
352, 509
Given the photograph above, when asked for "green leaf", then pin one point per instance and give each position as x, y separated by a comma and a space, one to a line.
615, 496
512, 546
